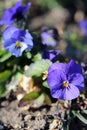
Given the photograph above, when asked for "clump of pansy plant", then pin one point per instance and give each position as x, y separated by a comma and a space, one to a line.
15, 13
17, 40
65, 80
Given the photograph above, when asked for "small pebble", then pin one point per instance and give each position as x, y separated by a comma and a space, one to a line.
27, 117
55, 124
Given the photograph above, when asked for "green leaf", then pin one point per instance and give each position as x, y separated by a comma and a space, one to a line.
2, 90
47, 99
2, 52
28, 55
45, 84
84, 111
31, 96
4, 75
37, 68
36, 99
48, 4
79, 116
39, 101
14, 81
37, 57
4, 56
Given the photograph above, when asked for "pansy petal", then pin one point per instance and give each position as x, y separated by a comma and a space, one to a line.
71, 93
29, 44
11, 49
17, 51
47, 39
75, 74
24, 46
74, 68
66, 94
58, 66
28, 40
77, 80
8, 32
26, 8
28, 35
8, 43
51, 55
55, 79
54, 82
18, 4
59, 94
6, 22
7, 17
18, 35
22, 35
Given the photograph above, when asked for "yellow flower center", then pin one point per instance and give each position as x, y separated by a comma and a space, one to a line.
18, 44
65, 83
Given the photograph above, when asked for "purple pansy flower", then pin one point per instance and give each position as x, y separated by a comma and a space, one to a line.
17, 40
14, 13
65, 80
51, 55
49, 37
83, 26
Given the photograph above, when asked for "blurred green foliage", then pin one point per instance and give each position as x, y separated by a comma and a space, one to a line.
48, 4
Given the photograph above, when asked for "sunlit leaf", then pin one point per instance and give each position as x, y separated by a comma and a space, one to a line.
31, 96
37, 68
14, 81
39, 101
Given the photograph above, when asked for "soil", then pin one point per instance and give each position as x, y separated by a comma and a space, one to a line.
13, 117
46, 117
